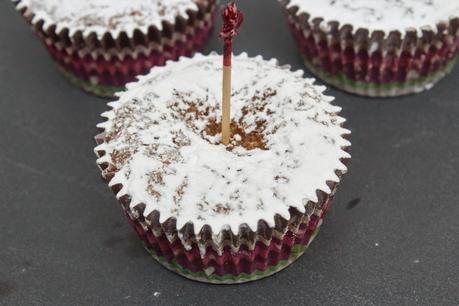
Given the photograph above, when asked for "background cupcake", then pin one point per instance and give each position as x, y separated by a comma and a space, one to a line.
214, 213
101, 45
377, 48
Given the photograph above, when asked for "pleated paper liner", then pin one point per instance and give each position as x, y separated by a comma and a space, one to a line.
225, 257
106, 75
229, 266
392, 89
123, 46
91, 42
103, 66
107, 91
375, 63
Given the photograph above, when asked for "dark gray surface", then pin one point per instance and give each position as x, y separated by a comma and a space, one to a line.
64, 239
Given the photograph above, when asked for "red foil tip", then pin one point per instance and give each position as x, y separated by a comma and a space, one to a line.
232, 21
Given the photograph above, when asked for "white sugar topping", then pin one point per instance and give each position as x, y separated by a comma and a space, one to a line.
101, 16
385, 15
170, 164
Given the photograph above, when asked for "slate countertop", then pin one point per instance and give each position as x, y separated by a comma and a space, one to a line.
392, 236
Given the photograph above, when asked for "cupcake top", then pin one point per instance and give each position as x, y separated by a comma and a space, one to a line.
162, 141
385, 15
101, 16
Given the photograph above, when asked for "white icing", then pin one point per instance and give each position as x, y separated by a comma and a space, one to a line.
101, 16
302, 154
385, 15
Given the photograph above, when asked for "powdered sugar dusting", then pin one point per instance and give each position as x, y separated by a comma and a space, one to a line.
101, 16
161, 137
385, 15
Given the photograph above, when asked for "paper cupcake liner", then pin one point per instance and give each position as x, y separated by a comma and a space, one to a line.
109, 42
225, 257
230, 266
110, 62
375, 63
87, 86
104, 77
391, 89
195, 36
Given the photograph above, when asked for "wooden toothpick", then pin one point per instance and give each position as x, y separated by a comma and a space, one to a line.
232, 20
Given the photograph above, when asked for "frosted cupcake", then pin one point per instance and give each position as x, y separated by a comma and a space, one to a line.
215, 213
101, 45
377, 48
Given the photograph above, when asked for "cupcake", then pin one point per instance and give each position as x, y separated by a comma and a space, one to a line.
377, 48
215, 213
100, 45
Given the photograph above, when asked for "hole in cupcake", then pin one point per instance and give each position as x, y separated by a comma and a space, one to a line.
247, 131
239, 137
